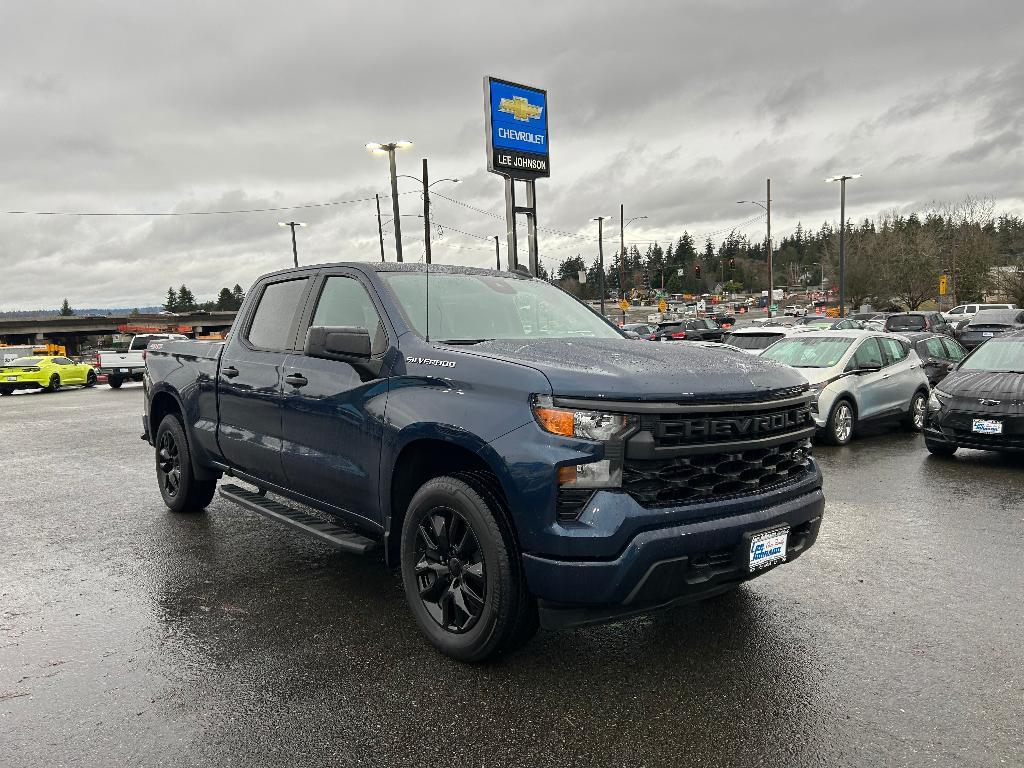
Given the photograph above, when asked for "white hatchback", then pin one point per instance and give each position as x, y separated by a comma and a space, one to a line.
857, 376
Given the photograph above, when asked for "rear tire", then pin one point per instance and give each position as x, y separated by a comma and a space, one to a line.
461, 570
841, 422
54, 384
180, 489
6, 391
914, 420
939, 449
90, 378
114, 382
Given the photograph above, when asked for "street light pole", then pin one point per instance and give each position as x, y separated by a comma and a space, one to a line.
497, 254
380, 230
600, 256
622, 251
771, 264
842, 179
295, 248
389, 148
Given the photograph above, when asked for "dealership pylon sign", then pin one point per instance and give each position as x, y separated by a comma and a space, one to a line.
516, 118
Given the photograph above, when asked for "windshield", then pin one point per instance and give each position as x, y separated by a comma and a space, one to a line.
997, 355
809, 353
753, 340
23, 361
905, 323
478, 307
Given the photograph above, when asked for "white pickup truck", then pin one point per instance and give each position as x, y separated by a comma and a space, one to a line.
128, 362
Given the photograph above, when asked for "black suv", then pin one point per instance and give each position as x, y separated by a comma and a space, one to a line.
904, 322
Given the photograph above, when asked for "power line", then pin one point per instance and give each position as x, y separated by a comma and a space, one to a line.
196, 213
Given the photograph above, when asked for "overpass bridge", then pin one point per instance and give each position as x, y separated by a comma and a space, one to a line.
73, 331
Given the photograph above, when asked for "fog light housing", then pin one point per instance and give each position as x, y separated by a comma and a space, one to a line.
594, 474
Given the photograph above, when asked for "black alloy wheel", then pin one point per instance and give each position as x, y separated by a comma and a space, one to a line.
90, 378
168, 465
450, 571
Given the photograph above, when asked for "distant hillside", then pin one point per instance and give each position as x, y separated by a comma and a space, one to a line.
81, 312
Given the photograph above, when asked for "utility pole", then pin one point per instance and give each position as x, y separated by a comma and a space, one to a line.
600, 256
295, 248
622, 250
771, 266
394, 202
426, 212
497, 254
380, 230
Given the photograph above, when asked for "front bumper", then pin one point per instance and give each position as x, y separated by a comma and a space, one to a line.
668, 566
952, 427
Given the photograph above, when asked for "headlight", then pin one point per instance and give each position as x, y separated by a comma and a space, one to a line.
586, 425
599, 426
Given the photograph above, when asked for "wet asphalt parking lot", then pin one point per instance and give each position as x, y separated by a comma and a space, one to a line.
130, 636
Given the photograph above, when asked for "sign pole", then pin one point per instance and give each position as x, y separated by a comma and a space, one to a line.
531, 228
510, 222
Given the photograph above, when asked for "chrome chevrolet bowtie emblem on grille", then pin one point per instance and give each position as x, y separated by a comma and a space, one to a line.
986, 401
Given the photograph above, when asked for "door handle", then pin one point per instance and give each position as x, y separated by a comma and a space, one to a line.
230, 371
296, 380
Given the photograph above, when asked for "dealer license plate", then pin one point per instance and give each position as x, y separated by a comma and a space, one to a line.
12, 378
122, 370
987, 426
767, 548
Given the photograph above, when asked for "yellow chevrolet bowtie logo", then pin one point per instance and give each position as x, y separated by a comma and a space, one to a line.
520, 108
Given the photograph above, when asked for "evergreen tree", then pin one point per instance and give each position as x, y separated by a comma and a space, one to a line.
239, 295
66, 310
186, 301
171, 302
225, 300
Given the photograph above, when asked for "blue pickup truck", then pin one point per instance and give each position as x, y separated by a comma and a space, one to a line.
509, 450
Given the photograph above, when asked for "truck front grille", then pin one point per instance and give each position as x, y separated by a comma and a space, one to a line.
704, 477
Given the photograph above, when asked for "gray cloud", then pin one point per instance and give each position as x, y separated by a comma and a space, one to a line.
674, 109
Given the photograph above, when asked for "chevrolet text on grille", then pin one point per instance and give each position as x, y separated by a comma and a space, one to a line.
742, 425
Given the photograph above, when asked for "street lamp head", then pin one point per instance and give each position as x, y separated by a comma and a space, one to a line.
602, 218
403, 144
843, 177
292, 224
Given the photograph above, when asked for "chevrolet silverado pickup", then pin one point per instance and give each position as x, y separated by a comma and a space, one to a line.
505, 447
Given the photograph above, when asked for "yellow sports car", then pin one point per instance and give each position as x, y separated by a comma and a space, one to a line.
46, 373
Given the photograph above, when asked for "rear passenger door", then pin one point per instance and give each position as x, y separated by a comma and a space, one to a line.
333, 410
249, 384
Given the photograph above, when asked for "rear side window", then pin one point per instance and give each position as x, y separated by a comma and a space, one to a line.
954, 351
274, 320
893, 349
935, 347
345, 302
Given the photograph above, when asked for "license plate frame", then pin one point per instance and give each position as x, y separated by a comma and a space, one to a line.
767, 548
122, 370
987, 334
987, 426
12, 378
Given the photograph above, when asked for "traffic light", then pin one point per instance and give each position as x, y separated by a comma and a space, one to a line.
732, 263
696, 270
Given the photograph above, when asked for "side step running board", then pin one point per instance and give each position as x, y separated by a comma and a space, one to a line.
329, 533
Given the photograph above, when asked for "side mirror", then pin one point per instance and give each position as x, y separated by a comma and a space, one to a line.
338, 342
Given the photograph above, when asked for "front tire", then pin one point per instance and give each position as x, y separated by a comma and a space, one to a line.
914, 421
180, 489
841, 422
115, 382
461, 571
90, 378
939, 449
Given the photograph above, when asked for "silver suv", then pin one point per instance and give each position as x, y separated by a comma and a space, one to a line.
857, 376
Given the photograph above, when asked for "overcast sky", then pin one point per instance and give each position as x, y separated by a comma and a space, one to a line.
676, 109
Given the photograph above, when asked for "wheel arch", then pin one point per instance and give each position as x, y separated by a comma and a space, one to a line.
424, 457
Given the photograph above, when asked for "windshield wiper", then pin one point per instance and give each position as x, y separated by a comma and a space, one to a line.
463, 342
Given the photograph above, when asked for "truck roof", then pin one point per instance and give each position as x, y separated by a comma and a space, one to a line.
371, 266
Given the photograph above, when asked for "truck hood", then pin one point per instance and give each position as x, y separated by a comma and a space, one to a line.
620, 369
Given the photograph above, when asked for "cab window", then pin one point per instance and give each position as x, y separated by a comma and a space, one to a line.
273, 323
868, 355
345, 302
